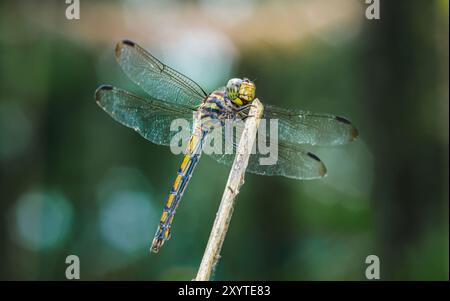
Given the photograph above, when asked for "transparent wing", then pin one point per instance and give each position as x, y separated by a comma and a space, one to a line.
158, 80
291, 161
300, 127
151, 118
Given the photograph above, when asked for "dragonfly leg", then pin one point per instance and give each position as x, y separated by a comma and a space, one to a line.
241, 112
246, 116
241, 108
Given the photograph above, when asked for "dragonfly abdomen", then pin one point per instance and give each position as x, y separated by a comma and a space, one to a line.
184, 174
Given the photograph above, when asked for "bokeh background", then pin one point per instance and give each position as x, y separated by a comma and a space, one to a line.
74, 181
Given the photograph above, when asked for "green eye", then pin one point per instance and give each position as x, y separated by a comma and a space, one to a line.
233, 92
233, 87
247, 91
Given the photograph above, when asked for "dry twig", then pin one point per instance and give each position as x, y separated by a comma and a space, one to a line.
235, 181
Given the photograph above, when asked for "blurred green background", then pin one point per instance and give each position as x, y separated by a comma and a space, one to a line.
74, 181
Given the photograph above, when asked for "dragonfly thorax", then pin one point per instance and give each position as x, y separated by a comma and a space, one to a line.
241, 91
216, 109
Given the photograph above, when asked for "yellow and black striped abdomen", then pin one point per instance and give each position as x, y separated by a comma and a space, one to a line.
190, 160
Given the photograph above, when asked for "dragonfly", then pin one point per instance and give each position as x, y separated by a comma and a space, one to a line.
172, 95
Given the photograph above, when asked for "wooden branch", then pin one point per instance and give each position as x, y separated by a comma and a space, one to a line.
234, 183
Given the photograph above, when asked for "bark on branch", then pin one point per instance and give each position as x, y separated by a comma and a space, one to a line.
234, 183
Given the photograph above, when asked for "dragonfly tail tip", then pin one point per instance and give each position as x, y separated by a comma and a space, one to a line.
156, 245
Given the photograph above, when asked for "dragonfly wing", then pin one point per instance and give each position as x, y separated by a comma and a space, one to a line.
291, 160
151, 118
300, 127
157, 79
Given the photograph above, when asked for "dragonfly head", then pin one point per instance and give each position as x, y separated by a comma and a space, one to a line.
241, 91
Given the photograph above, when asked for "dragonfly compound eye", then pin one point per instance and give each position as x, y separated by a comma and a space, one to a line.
233, 86
247, 91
